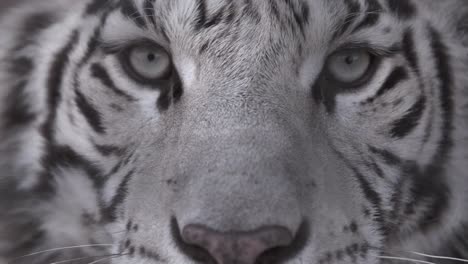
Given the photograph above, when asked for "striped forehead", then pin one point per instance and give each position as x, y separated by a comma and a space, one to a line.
295, 16
197, 15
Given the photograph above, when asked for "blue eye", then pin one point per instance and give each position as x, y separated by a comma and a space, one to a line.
349, 66
147, 62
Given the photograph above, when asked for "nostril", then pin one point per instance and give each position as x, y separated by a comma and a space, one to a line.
267, 245
236, 247
196, 253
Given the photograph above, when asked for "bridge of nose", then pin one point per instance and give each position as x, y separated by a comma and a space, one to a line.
239, 158
240, 178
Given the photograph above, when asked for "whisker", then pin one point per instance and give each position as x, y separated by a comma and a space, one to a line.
119, 232
439, 257
63, 248
406, 259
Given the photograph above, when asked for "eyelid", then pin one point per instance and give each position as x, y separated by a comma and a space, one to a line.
376, 50
113, 48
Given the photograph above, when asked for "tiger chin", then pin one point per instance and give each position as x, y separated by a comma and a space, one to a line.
234, 132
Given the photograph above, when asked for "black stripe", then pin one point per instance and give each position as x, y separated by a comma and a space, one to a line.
92, 116
373, 165
97, 6
200, 20
275, 10
215, 19
444, 74
409, 50
20, 67
99, 72
177, 88
369, 193
31, 27
231, 12
353, 13
402, 127
108, 150
301, 17
110, 212
432, 182
149, 11
431, 194
389, 157
372, 15
402, 9
18, 110
66, 157
249, 10
54, 83
398, 75
129, 10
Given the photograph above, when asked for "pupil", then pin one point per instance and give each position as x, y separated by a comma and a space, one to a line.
350, 60
151, 57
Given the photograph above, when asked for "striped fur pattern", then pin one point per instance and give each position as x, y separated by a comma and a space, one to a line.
247, 131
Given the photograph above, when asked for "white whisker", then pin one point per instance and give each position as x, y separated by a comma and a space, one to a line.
64, 248
406, 259
439, 257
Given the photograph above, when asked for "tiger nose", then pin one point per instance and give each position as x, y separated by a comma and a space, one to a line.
236, 247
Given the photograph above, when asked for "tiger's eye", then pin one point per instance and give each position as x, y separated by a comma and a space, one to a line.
147, 62
349, 66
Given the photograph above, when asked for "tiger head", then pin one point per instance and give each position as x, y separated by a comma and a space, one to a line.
305, 131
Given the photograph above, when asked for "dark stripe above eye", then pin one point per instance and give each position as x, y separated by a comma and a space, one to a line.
96, 6
403, 9
371, 16
129, 10
349, 19
149, 11
201, 16
90, 113
410, 120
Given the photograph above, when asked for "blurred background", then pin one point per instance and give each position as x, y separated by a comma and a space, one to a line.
5, 3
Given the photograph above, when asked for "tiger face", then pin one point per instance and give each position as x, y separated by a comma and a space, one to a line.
216, 131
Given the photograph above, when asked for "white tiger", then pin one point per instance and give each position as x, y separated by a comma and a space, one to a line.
234, 131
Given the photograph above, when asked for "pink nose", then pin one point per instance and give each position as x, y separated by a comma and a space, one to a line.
237, 247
